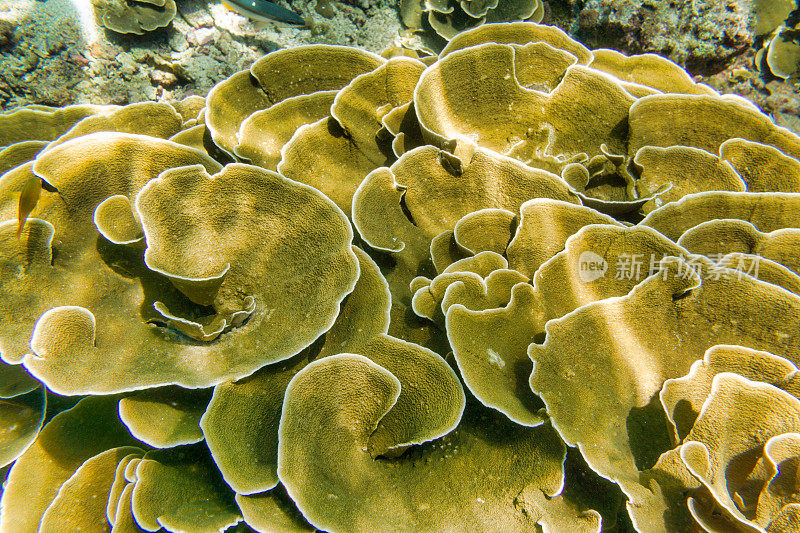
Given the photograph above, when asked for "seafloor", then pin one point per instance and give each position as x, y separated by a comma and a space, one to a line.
52, 55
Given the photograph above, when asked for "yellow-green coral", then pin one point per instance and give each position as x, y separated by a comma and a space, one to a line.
449, 17
513, 287
137, 17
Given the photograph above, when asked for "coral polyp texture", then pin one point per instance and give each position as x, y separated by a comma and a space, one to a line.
526, 286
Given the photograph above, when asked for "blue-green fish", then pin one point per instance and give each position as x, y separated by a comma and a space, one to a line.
264, 11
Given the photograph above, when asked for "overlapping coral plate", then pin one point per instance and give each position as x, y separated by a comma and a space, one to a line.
527, 287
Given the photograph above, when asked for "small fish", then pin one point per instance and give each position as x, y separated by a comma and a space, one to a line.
27, 201
264, 11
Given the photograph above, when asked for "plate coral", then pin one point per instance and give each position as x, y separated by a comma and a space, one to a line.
522, 286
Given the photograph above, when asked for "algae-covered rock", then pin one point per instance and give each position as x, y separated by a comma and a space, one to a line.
702, 34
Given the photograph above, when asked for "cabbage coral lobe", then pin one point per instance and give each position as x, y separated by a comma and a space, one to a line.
519, 286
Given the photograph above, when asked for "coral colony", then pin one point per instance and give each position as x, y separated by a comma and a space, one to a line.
520, 285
